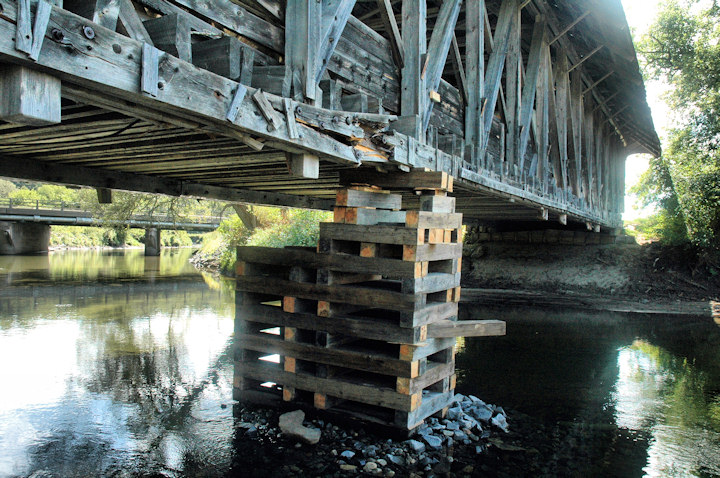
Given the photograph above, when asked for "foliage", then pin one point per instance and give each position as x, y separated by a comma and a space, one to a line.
683, 49
276, 228
6, 187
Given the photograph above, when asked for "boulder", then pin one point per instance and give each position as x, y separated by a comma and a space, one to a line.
291, 424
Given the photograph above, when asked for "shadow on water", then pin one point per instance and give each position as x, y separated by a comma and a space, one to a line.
621, 396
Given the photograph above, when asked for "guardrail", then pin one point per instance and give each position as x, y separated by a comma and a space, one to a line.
158, 215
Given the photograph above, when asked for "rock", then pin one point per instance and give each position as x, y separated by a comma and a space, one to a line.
433, 441
482, 413
500, 445
500, 422
460, 435
348, 467
291, 425
251, 432
479, 449
389, 473
370, 466
448, 433
381, 462
454, 413
370, 451
396, 460
347, 454
453, 426
468, 469
416, 446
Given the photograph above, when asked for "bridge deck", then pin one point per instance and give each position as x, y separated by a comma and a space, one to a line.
141, 112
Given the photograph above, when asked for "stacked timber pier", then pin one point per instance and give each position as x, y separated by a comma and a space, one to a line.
366, 325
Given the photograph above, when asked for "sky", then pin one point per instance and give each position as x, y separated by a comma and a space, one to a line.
640, 15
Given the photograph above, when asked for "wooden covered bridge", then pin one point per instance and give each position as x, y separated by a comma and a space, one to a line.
518, 113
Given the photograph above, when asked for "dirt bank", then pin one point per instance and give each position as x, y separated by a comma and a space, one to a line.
628, 271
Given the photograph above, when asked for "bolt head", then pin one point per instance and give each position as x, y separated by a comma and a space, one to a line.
88, 32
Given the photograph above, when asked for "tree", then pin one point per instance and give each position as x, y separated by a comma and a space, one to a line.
6, 187
682, 48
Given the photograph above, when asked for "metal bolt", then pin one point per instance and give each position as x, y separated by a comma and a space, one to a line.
298, 111
57, 35
322, 124
335, 119
348, 120
88, 32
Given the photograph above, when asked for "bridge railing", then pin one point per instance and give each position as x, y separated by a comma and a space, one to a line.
48, 206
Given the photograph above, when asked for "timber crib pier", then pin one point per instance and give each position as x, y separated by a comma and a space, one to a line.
367, 323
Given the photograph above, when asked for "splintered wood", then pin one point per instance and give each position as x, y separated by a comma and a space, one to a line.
366, 324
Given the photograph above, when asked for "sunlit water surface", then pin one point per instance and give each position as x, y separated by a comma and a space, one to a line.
114, 364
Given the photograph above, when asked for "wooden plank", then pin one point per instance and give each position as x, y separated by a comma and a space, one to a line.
23, 31
224, 56
378, 200
432, 252
350, 294
149, 71
466, 328
268, 112
344, 389
236, 103
369, 217
380, 234
416, 179
42, 17
356, 326
289, 108
356, 359
102, 12
428, 220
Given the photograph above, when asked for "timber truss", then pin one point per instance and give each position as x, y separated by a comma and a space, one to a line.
532, 106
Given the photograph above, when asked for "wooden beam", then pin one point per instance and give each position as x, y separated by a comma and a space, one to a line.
131, 23
413, 96
102, 12
475, 69
335, 14
438, 50
532, 75
496, 62
304, 165
466, 328
29, 169
396, 42
302, 38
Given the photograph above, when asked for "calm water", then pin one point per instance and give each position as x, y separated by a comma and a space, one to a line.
114, 364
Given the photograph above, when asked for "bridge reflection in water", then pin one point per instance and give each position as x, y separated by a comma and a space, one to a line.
116, 367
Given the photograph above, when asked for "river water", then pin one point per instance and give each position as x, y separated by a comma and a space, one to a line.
114, 364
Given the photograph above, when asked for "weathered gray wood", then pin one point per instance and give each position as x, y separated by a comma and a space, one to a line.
149, 73
378, 200
494, 70
357, 102
302, 38
23, 32
104, 196
273, 79
171, 33
28, 96
466, 328
335, 14
236, 103
304, 165
131, 22
42, 17
102, 12
513, 94
289, 108
413, 97
475, 64
268, 112
532, 76
437, 51
396, 42
26, 168
225, 56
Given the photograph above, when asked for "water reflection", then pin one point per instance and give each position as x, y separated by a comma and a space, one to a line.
119, 376
640, 395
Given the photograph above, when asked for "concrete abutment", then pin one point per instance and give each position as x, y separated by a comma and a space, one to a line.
18, 238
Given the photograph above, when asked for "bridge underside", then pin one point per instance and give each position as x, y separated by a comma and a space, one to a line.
531, 108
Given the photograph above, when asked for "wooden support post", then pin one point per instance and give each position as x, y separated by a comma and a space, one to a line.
29, 97
475, 69
413, 89
396, 42
532, 78
304, 165
225, 56
302, 37
131, 24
